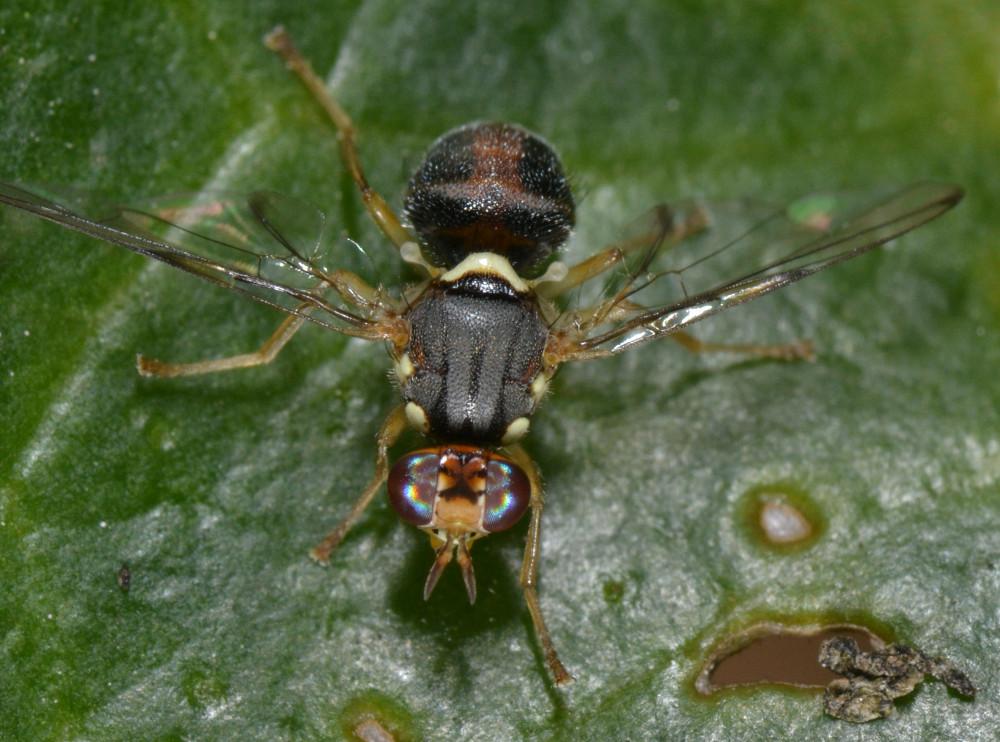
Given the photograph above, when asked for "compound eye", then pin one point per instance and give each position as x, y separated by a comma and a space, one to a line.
413, 486
508, 493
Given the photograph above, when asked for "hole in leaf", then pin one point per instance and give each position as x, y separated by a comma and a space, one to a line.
375, 717
775, 653
783, 523
782, 517
371, 730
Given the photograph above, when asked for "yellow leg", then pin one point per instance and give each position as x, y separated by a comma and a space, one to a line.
266, 354
801, 350
393, 426
664, 229
352, 290
529, 568
279, 41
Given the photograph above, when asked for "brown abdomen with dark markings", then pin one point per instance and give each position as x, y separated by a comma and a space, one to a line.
490, 187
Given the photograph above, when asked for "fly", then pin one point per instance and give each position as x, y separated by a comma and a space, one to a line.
475, 343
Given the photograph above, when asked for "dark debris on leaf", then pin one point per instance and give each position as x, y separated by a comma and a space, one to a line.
872, 680
124, 578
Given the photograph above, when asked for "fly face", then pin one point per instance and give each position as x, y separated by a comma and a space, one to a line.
476, 342
457, 494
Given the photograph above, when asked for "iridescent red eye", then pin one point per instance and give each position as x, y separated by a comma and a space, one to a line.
412, 486
508, 494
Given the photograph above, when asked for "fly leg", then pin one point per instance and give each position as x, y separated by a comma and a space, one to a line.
529, 568
664, 232
393, 426
279, 41
266, 354
352, 290
800, 350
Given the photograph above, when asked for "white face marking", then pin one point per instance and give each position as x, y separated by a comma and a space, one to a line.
417, 418
487, 262
404, 368
538, 387
515, 431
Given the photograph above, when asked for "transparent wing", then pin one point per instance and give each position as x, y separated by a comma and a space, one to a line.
266, 246
738, 252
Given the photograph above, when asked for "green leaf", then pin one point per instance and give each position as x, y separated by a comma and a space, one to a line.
212, 489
